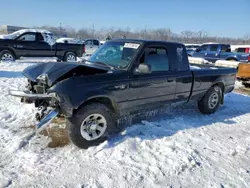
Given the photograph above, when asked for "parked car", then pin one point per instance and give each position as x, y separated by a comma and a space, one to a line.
191, 48
37, 43
213, 52
120, 78
243, 50
91, 45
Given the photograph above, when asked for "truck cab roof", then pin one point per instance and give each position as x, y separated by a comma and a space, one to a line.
144, 42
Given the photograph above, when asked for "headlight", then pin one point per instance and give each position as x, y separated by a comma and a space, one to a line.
42, 78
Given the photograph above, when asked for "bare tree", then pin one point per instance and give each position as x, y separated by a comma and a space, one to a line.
146, 33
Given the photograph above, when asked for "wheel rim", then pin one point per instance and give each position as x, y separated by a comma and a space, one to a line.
213, 100
71, 57
7, 57
93, 126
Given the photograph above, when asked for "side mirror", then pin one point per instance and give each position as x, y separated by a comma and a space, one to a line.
142, 69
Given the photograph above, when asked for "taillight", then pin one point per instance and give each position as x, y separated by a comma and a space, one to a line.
248, 58
247, 51
83, 48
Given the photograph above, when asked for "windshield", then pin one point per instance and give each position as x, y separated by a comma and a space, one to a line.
116, 54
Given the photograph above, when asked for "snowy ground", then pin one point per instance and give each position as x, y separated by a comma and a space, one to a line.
181, 149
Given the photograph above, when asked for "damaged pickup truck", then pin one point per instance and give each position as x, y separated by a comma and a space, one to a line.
120, 78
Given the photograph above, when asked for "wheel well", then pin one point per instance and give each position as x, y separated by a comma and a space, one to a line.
232, 58
12, 51
103, 100
221, 85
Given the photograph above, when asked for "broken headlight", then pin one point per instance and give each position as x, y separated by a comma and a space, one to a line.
43, 78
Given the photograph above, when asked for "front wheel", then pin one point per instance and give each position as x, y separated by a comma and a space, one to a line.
7, 56
70, 57
211, 100
91, 125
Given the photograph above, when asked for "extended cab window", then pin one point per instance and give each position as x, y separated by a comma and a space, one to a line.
27, 37
157, 58
213, 48
225, 48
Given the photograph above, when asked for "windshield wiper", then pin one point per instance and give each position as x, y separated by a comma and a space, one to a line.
103, 63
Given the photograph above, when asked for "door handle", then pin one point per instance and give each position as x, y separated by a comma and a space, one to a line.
170, 79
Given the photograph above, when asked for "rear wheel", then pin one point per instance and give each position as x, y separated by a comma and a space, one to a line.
91, 125
7, 56
210, 101
70, 57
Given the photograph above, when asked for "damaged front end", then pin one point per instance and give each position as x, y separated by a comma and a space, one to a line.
46, 103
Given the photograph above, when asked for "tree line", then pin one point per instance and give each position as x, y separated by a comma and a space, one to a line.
145, 33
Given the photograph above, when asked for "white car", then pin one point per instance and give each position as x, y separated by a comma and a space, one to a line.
91, 45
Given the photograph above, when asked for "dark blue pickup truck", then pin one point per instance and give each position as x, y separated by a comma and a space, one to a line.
214, 52
121, 78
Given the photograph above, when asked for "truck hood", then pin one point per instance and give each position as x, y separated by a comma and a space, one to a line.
55, 72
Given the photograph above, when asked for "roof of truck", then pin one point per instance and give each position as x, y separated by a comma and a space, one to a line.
145, 41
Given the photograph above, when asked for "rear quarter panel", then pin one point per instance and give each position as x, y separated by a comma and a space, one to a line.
204, 78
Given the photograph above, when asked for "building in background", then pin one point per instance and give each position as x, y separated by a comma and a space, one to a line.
7, 29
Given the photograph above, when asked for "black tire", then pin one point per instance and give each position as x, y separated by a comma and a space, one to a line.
68, 55
205, 105
246, 85
74, 124
6, 52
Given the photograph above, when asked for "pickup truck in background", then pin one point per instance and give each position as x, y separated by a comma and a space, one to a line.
91, 45
214, 52
243, 50
37, 43
191, 48
121, 78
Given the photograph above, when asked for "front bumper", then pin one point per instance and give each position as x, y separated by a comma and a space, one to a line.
31, 96
44, 115
46, 120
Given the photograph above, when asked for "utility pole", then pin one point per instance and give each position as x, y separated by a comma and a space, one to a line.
60, 30
93, 31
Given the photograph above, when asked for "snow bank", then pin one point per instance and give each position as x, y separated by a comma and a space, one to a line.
197, 60
225, 63
182, 148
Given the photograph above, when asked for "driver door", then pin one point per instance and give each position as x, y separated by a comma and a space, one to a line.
42, 48
25, 44
153, 89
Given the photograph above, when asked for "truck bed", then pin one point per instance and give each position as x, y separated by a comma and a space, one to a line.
205, 75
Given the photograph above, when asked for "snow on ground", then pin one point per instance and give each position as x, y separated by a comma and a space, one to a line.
181, 149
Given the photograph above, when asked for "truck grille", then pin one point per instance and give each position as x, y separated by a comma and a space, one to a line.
36, 87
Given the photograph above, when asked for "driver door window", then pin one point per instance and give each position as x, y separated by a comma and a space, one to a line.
157, 58
28, 37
